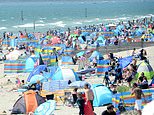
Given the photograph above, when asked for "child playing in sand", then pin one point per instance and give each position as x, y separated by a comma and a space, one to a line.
18, 83
80, 102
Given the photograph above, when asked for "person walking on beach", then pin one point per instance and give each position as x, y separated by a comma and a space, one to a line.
138, 96
106, 79
89, 95
80, 102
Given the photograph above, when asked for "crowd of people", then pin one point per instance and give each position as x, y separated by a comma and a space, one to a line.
120, 33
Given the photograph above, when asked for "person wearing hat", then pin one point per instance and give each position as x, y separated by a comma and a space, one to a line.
109, 110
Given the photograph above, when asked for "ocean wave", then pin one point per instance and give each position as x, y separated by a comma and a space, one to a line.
43, 18
78, 23
3, 20
29, 25
41, 21
12, 17
117, 19
143, 16
3, 28
58, 24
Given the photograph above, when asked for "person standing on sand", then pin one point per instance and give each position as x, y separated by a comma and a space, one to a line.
138, 96
80, 102
89, 95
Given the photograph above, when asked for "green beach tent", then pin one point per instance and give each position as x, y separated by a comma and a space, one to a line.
146, 68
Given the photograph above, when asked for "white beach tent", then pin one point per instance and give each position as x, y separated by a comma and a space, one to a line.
65, 74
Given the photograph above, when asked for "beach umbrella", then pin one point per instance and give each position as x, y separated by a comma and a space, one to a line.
46, 108
36, 78
146, 69
79, 84
147, 110
80, 53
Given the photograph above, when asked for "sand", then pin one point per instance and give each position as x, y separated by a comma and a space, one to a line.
7, 99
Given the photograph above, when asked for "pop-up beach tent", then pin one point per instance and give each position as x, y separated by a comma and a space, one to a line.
27, 103
97, 55
101, 41
146, 69
30, 63
124, 62
36, 71
65, 74
102, 95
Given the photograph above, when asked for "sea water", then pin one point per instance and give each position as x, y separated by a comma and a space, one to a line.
40, 15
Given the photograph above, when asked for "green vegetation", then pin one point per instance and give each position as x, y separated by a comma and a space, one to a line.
123, 88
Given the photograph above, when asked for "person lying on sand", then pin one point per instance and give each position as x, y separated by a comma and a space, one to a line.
19, 86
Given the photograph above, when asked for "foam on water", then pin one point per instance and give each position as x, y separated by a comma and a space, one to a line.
43, 18
3, 20
117, 19
12, 18
3, 28
28, 25
58, 14
41, 21
78, 23
58, 24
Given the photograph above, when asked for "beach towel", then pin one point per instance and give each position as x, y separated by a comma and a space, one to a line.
88, 109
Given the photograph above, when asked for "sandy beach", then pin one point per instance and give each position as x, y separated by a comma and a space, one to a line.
7, 99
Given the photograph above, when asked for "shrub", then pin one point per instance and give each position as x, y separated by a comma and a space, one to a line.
123, 88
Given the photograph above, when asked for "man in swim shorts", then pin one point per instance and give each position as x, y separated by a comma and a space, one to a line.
138, 96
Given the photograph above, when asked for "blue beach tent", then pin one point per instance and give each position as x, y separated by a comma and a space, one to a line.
36, 71
81, 40
152, 82
36, 78
96, 54
85, 34
102, 95
101, 41
30, 62
124, 62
